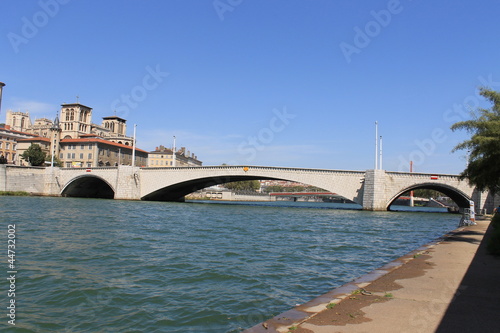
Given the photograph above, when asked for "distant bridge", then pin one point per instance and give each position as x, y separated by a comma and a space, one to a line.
372, 189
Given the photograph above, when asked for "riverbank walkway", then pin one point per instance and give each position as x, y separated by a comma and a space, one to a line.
451, 285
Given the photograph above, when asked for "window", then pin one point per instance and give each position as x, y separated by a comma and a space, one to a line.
1, 144
61, 156
83, 146
7, 145
69, 156
68, 164
81, 156
73, 155
14, 146
89, 164
90, 156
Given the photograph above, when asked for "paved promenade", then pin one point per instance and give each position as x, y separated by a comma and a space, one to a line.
451, 285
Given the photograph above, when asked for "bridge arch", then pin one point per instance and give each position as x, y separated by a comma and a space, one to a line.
173, 184
176, 192
88, 186
459, 197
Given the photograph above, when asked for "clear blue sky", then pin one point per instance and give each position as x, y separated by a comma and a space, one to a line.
259, 82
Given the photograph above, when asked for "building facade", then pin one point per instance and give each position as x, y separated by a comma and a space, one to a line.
164, 157
73, 139
9, 143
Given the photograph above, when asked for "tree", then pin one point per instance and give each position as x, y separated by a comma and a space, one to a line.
3, 160
483, 169
34, 155
245, 185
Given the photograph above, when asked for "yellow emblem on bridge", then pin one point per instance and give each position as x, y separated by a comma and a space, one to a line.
245, 169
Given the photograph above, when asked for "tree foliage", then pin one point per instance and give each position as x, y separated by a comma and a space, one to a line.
245, 185
3, 160
483, 169
34, 155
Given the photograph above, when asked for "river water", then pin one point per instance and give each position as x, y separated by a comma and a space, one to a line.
89, 265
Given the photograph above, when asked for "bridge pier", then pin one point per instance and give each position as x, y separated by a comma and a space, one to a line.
374, 190
128, 185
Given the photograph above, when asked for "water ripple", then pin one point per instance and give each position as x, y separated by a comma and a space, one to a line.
89, 265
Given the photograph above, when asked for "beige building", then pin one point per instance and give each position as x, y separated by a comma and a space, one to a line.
9, 143
75, 140
164, 157
75, 121
93, 151
18, 121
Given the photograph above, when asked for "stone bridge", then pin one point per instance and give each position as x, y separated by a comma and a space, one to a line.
372, 189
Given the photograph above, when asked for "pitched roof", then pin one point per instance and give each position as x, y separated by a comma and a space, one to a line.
17, 132
37, 138
107, 142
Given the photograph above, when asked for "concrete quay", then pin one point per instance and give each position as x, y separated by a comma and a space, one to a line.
450, 285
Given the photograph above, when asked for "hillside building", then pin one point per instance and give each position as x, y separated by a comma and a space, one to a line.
74, 139
164, 157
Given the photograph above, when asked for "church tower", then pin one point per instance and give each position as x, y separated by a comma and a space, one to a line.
55, 138
18, 121
116, 125
75, 120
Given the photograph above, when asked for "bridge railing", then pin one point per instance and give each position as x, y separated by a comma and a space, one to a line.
93, 168
250, 167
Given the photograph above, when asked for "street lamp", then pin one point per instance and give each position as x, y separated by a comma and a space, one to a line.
173, 154
1, 86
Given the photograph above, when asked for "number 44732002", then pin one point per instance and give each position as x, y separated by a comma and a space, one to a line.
11, 246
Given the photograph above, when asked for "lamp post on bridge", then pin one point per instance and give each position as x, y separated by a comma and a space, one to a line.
173, 155
133, 147
376, 145
380, 152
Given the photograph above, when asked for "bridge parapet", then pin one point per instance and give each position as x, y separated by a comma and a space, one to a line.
373, 189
